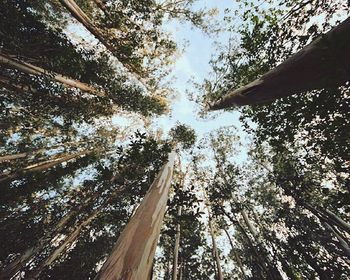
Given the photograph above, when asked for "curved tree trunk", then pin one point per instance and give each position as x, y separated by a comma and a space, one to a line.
38, 71
237, 258
328, 217
321, 64
132, 256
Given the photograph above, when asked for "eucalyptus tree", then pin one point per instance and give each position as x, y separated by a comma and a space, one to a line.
270, 33
132, 256
88, 219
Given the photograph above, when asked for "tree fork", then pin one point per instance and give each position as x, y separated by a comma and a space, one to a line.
321, 64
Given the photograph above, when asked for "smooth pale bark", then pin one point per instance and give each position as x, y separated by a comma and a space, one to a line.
177, 245
13, 157
321, 64
132, 256
237, 258
38, 71
79, 15
35, 152
250, 226
215, 250
41, 166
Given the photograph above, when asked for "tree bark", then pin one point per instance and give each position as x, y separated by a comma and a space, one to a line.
38, 71
177, 244
341, 240
133, 254
41, 166
79, 15
321, 64
73, 236
237, 258
38, 151
215, 250
328, 217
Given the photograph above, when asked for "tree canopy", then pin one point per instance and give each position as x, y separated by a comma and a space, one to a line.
92, 186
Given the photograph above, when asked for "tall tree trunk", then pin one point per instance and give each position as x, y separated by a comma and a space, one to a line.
79, 15
237, 258
273, 270
215, 250
341, 240
132, 256
38, 151
338, 221
38, 71
73, 236
328, 217
321, 64
41, 166
19, 263
177, 244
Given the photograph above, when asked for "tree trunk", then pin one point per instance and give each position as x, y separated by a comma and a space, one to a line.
73, 236
177, 244
41, 166
341, 240
237, 258
19, 263
215, 250
132, 256
38, 71
338, 221
79, 15
328, 217
321, 64
38, 151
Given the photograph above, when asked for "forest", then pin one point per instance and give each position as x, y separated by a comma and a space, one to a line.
93, 185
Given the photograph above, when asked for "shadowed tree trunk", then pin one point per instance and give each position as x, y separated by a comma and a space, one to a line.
79, 15
237, 258
74, 234
177, 245
38, 71
321, 64
215, 250
132, 256
38, 151
41, 166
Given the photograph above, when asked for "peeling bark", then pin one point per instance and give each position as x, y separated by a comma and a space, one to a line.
321, 64
132, 256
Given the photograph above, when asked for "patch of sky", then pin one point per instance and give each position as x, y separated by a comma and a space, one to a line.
193, 67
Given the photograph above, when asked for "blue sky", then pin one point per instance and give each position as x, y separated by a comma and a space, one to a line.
194, 63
